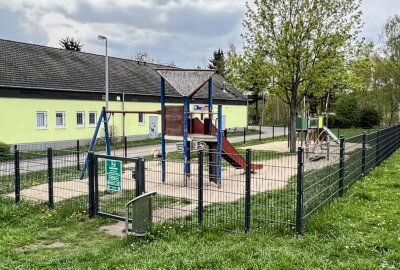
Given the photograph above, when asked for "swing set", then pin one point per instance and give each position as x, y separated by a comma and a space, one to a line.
104, 118
180, 124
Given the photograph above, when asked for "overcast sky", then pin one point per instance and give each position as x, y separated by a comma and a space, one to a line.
185, 31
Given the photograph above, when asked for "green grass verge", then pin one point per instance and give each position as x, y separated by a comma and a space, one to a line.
351, 132
249, 131
360, 231
34, 178
112, 202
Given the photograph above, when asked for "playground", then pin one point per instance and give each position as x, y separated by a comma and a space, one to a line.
206, 179
30, 242
203, 179
277, 172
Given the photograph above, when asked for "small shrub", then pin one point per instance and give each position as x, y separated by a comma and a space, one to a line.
347, 111
5, 151
369, 117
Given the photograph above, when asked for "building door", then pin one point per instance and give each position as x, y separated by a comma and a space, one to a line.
153, 126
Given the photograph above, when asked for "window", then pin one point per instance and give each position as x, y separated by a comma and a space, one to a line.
80, 119
92, 119
41, 120
141, 119
60, 119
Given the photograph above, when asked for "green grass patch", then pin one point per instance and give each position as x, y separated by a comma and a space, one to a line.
240, 132
351, 132
34, 178
257, 142
350, 233
113, 202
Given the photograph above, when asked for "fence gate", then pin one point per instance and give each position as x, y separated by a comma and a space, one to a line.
114, 181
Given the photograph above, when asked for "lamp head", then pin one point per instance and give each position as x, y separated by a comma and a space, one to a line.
100, 37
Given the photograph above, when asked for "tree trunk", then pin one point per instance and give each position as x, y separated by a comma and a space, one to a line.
257, 110
292, 123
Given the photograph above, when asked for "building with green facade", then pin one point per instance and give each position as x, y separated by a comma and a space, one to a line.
49, 95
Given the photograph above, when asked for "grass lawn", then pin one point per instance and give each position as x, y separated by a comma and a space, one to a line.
351, 132
249, 131
359, 231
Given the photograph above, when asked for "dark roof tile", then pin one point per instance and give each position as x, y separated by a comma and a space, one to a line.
25, 65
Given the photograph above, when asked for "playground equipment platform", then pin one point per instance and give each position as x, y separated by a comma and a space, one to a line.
229, 153
193, 137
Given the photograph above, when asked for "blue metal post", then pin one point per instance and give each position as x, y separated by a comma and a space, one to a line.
93, 141
106, 133
219, 146
210, 102
162, 94
186, 149
210, 109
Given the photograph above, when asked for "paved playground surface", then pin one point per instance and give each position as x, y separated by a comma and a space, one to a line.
275, 174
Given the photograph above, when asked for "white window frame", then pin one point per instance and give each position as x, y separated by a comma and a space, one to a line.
83, 120
44, 120
95, 119
64, 124
143, 122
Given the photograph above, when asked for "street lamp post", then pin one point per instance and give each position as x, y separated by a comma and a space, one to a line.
100, 37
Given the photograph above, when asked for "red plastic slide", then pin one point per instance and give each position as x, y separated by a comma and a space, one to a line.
229, 153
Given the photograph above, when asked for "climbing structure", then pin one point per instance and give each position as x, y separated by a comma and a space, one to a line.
179, 123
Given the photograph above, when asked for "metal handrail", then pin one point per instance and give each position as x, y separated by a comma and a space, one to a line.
150, 194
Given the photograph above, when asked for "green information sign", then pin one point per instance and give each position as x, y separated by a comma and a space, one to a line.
113, 175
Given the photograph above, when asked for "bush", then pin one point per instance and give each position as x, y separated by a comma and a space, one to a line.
369, 117
5, 151
347, 111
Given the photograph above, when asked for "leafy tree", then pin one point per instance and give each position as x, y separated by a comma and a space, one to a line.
296, 48
69, 43
218, 62
246, 73
391, 64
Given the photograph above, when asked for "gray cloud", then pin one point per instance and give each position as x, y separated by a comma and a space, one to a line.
186, 31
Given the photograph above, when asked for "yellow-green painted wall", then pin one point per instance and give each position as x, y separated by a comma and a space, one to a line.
18, 119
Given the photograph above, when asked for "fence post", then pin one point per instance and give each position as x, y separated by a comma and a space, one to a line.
125, 146
397, 137
363, 152
244, 135
299, 191
259, 137
17, 176
387, 133
78, 166
91, 174
377, 156
273, 132
225, 133
341, 167
139, 172
50, 176
200, 188
96, 184
247, 192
